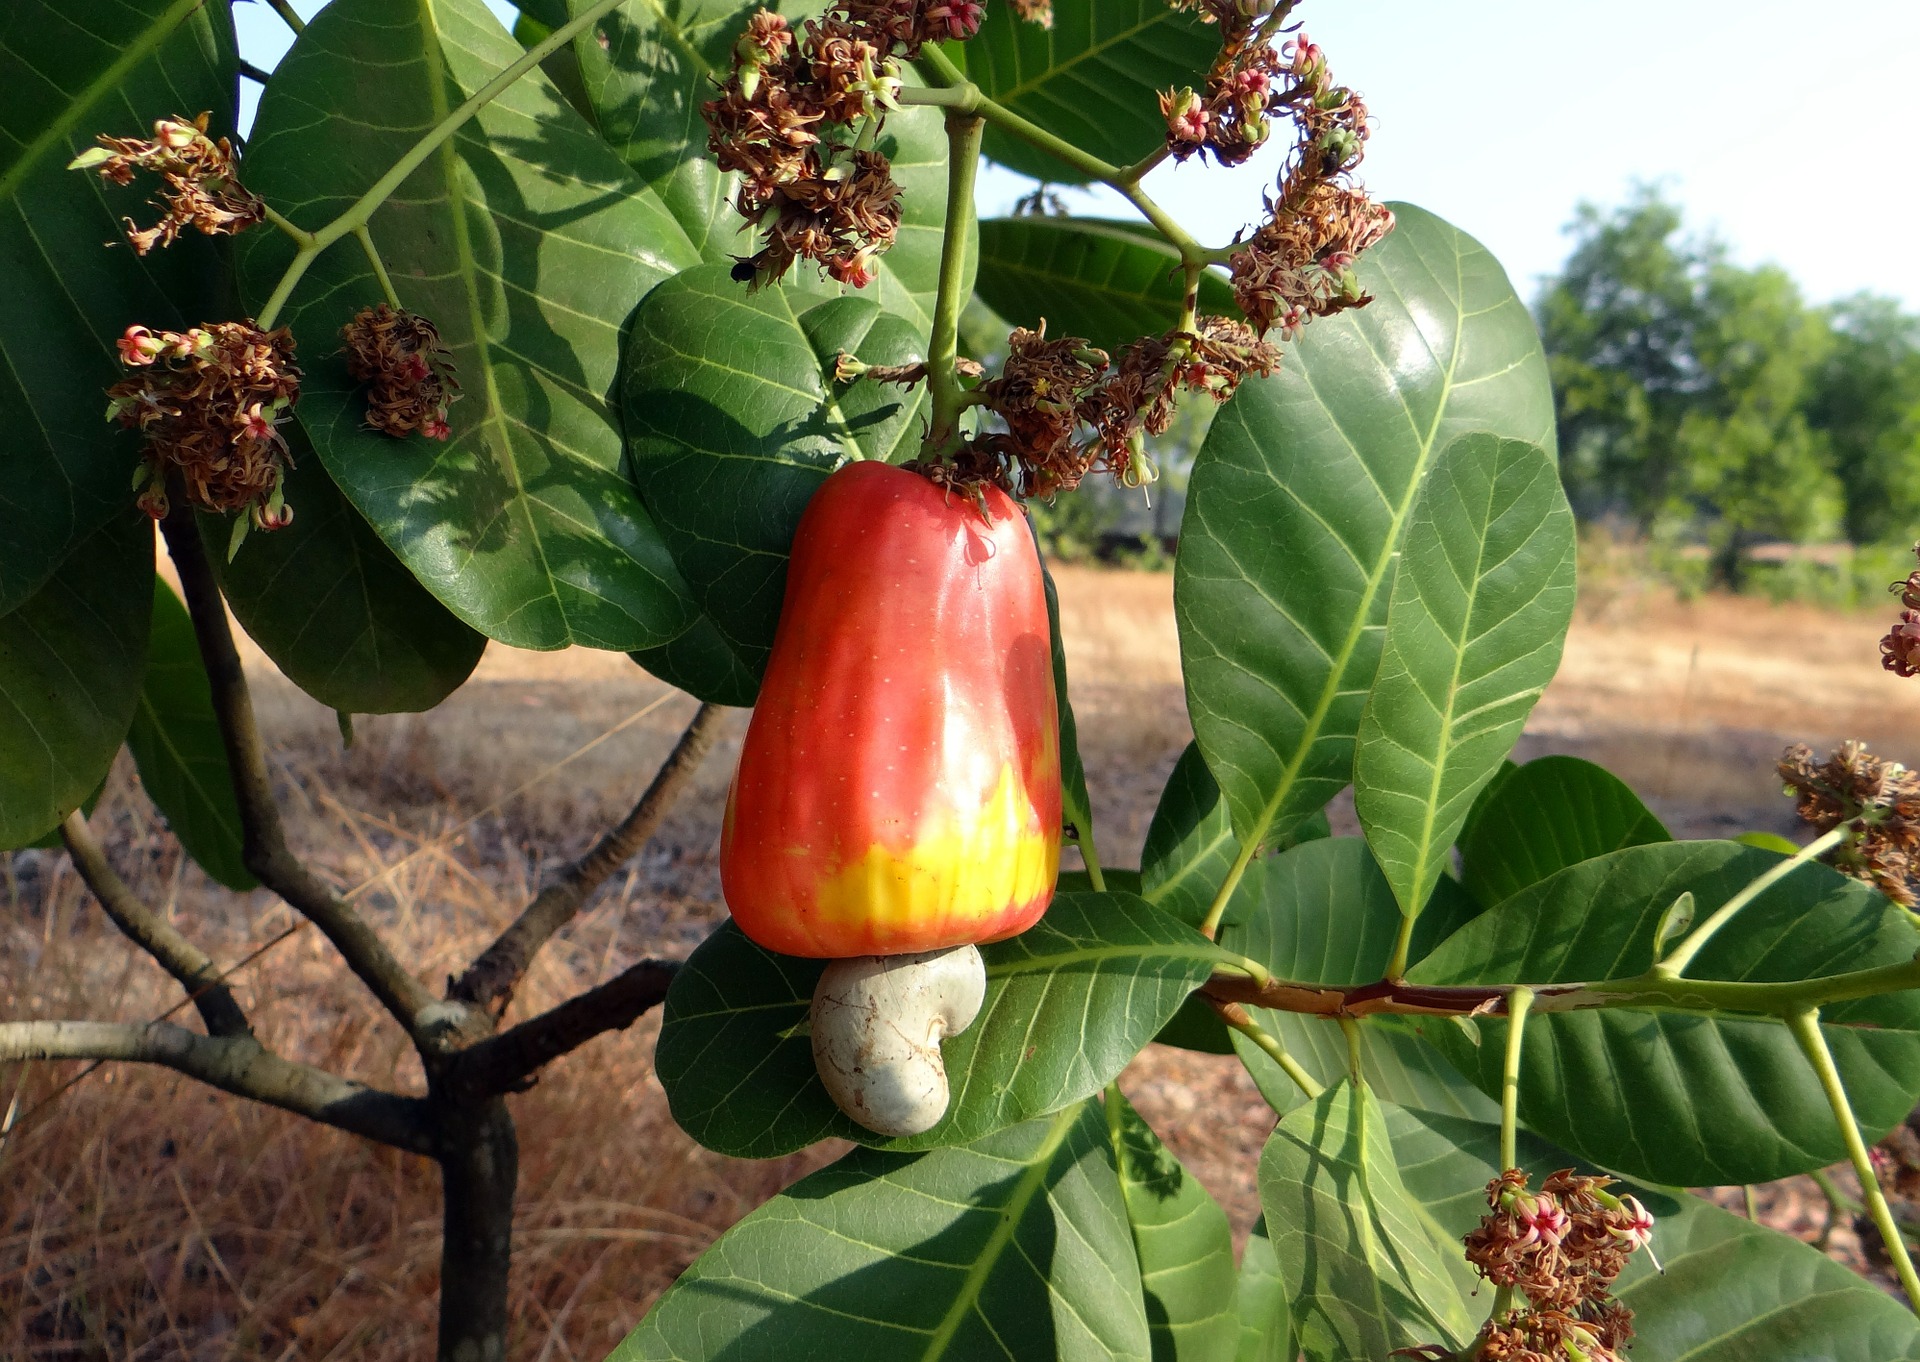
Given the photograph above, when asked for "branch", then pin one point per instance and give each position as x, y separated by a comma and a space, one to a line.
264, 843
507, 1061
152, 933
235, 1064
943, 380
491, 978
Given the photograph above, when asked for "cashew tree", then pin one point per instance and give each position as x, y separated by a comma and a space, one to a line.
584, 333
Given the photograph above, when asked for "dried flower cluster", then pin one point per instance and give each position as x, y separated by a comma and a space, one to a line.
1298, 264
408, 372
1900, 649
208, 401
201, 185
1034, 11
796, 119
1881, 799
1561, 1247
1049, 391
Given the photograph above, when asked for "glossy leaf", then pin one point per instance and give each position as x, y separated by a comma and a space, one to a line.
734, 418
1298, 500
1087, 278
1014, 1247
1480, 609
1190, 844
1364, 1270
1093, 78
1075, 806
340, 616
1323, 913
1730, 1291
175, 740
648, 67
1183, 1242
1068, 1003
528, 243
1266, 1323
1547, 815
70, 69
1689, 1099
701, 663
71, 660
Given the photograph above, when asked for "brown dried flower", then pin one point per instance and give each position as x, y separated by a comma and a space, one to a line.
409, 374
208, 401
1900, 649
202, 189
1034, 11
1881, 799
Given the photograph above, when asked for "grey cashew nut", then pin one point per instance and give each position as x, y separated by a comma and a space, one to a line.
877, 1024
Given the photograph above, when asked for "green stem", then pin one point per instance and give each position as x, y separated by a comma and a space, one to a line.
943, 346
284, 8
1402, 948
1092, 858
1517, 1006
1237, 1018
1682, 955
1350, 1030
1210, 925
365, 238
300, 235
1805, 1025
362, 210
958, 93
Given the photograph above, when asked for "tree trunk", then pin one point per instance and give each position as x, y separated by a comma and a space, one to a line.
479, 1168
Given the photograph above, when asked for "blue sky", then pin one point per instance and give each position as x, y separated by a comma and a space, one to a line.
1791, 130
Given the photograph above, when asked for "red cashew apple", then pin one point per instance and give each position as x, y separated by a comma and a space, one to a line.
899, 787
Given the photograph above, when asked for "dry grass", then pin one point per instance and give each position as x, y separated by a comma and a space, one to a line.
145, 1217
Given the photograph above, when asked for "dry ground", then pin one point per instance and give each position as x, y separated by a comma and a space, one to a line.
145, 1217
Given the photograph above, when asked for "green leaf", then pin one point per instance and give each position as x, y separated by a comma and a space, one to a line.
1480, 610
70, 69
1767, 841
1183, 1242
1323, 913
1087, 278
700, 663
528, 243
1549, 814
1362, 1265
1075, 807
1485, 797
1690, 1099
340, 616
1069, 1002
1266, 1324
175, 739
734, 418
1094, 78
648, 67
1731, 1290
1013, 1247
1190, 844
71, 659
1297, 502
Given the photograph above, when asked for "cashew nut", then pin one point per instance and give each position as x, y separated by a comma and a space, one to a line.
877, 1023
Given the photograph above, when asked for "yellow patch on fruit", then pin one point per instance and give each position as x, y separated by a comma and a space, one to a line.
960, 870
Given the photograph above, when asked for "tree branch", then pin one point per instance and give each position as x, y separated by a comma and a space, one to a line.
235, 1064
492, 977
505, 1062
152, 933
264, 842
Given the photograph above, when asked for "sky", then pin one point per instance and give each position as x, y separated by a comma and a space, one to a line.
1791, 131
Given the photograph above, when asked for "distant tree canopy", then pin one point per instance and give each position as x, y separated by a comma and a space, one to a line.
1695, 394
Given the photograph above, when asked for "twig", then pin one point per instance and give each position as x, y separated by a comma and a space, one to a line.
1805, 1026
186, 962
236, 1064
264, 845
1517, 1008
1238, 1018
284, 8
943, 380
505, 1062
1682, 955
491, 977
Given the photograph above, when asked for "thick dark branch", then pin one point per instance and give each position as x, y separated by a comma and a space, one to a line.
491, 978
235, 1064
264, 842
505, 1062
152, 933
